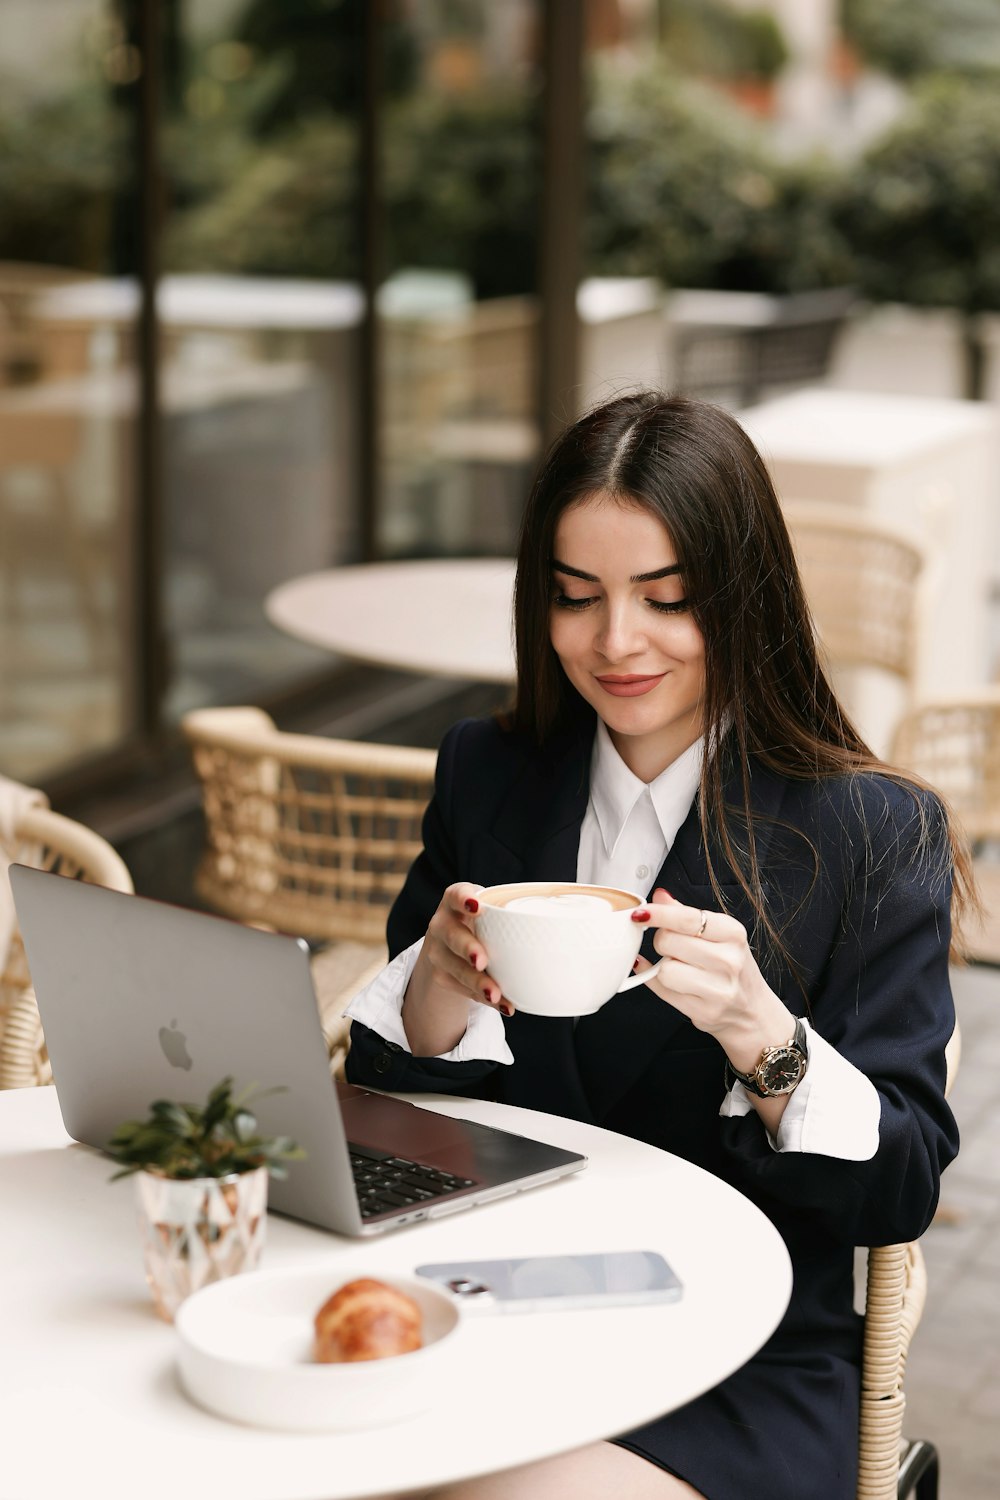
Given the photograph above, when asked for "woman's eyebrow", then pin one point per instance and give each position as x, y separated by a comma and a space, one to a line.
558, 567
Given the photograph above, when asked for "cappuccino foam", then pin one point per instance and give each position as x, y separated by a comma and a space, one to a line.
565, 904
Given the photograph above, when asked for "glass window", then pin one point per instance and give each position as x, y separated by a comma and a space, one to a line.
68, 389
458, 309
261, 311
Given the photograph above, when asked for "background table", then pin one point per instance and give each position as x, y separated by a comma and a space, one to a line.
90, 1404
450, 617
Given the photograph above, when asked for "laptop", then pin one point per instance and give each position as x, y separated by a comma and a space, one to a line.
141, 1000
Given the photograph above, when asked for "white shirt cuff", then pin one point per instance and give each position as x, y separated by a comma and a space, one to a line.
379, 1007
835, 1110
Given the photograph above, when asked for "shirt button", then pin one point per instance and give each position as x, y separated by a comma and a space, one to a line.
642, 872
382, 1063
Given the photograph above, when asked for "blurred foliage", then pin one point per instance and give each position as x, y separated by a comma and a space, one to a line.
681, 184
907, 38
709, 38
681, 188
61, 162
285, 207
462, 185
921, 210
320, 43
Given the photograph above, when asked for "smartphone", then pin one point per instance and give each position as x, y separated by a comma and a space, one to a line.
540, 1283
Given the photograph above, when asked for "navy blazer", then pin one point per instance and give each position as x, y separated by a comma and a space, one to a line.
856, 875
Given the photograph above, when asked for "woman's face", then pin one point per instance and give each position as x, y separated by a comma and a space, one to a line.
620, 626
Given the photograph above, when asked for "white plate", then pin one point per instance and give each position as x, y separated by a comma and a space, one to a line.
245, 1352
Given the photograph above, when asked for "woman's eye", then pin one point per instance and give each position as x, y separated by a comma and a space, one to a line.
675, 607
565, 601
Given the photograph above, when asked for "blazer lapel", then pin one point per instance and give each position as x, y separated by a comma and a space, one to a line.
536, 834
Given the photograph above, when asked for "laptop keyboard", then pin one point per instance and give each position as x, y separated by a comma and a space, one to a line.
387, 1183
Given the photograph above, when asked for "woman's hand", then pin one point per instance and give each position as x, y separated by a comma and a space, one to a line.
452, 954
449, 972
710, 974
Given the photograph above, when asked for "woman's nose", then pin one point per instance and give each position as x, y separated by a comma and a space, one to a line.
620, 634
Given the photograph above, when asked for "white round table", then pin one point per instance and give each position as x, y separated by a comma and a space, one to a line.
449, 617
89, 1400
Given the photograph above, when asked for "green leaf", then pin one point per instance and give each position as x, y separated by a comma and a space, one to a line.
186, 1141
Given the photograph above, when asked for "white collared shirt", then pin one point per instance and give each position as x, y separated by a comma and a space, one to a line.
628, 829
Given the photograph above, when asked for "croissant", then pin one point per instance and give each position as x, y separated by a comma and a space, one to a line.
366, 1319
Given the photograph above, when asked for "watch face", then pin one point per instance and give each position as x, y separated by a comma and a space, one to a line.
782, 1070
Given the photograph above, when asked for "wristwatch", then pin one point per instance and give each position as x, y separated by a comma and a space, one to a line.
780, 1069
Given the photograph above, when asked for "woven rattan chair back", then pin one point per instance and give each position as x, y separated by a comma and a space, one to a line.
896, 1289
47, 841
308, 835
889, 1466
861, 581
955, 745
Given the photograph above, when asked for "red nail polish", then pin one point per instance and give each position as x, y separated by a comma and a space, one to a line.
506, 1008
471, 904
640, 916
488, 996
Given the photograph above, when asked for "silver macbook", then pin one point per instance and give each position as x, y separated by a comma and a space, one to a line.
140, 1000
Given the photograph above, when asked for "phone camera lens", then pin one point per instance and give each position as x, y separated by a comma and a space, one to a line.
462, 1286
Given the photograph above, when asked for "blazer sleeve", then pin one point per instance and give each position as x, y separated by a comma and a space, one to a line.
883, 999
371, 1061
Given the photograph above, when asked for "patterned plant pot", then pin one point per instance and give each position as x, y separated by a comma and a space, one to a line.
198, 1231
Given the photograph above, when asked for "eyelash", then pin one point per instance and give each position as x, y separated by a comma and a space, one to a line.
562, 601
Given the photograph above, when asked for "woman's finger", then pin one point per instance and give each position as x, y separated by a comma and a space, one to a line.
461, 898
695, 951
692, 921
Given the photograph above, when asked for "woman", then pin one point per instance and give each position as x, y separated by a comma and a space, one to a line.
674, 733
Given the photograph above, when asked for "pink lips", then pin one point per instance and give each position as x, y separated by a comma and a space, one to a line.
630, 687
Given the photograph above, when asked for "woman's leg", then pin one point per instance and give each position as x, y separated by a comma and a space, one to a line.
601, 1471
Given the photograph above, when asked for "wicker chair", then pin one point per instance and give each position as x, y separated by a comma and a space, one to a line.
890, 1465
310, 836
47, 841
861, 582
955, 745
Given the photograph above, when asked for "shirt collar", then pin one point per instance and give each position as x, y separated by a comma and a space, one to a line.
615, 790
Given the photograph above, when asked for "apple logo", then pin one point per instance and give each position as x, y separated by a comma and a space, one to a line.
174, 1044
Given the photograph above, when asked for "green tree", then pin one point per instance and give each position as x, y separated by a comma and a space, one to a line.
319, 44
682, 189
462, 185
921, 211
62, 161
709, 38
908, 38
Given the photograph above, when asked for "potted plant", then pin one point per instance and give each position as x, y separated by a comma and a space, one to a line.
201, 1175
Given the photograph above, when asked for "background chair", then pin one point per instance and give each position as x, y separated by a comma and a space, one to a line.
954, 744
47, 841
742, 346
310, 836
862, 582
891, 1466
894, 1300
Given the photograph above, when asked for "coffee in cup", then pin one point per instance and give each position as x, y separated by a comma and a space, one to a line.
560, 948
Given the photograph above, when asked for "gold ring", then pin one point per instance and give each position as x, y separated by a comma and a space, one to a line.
704, 924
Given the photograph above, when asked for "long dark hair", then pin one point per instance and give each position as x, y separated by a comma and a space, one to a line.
767, 694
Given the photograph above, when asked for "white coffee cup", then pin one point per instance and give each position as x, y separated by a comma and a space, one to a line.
558, 947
